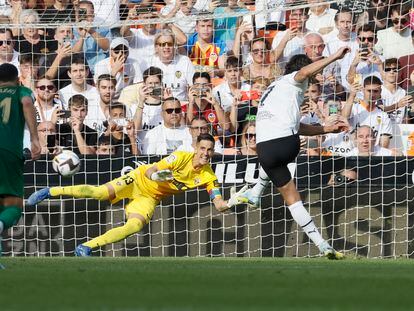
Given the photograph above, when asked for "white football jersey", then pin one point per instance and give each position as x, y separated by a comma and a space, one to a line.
389, 99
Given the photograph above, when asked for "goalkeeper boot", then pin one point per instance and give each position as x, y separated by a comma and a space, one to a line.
38, 196
252, 200
329, 252
83, 251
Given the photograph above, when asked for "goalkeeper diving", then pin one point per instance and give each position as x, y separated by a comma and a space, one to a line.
145, 187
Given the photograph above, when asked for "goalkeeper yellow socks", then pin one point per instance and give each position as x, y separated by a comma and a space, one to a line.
133, 225
9, 216
81, 191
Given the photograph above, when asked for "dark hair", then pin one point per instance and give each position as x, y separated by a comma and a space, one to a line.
198, 118
391, 61
106, 77
152, 71
368, 27
29, 58
343, 10
78, 100
8, 73
4, 30
86, 2
79, 60
117, 105
260, 39
232, 62
305, 11
296, 63
370, 80
206, 136
400, 8
171, 99
105, 140
201, 74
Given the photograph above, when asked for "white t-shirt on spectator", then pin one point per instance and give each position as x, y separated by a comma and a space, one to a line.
378, 152
293, 47
278, 114
91, 94
185, 22
107, 10
333, 43
327, 19
151, 117
338, 144
141, 46
389, 99
162, 140
130, 74
394, 45
223, 95
271, 14
186, 146
43, 115
177, 75
15, 61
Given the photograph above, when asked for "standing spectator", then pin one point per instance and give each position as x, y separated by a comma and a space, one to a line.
167, 137
16, 7
394, 99
29, 69
203, 48
7, 52
75, 135
377, 13
60, 11
108, 10
259, 67
202, 103
178, 70
321, 18
183, 12
93, 41
119, 65
395, 41
365, 111
47, 106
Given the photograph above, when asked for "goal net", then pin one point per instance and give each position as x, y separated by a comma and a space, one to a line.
226, 53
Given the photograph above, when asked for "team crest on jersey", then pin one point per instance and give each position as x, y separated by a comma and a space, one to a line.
171, 158
126, 79
213, 57
178, 74
197, 181
379, 119
211, 117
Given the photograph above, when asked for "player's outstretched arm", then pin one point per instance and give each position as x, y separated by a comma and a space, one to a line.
155, 174
235, 199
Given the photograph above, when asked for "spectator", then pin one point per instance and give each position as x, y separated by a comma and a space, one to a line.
365, 144
202, 103
121, 131
365, 111
29, 69
44, 129
183, 12
259, 51
119, 65
16, 7
105, 146
61, 11
78, 73
93, 41
48, 107
177, 69
148, 112
198, 126
203, 49
407, 67
7, 52
394, 99
395, 41
377, 13
75, 135
108, 10
321, 18
291, 41
248, 139
272, 12
242, 41
167, 137
233, 86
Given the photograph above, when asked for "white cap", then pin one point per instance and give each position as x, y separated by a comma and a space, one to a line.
119, 41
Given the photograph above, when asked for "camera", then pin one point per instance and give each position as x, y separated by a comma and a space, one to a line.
157, 91
339, 179
333, 108
201, 92
65, 114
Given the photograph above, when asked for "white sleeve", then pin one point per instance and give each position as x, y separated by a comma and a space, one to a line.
137, 72
386, 127
277, 39
189, 71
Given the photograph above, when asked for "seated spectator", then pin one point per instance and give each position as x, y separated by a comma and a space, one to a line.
203, 48
121, 131
321, 18
119, 65
74, 134
48, 107
259, 67
29, 69
167, 137
93, 41
198, 126
183, 12
7, 52
290, 41
202, 103
78, 73
232, 87
44, 129
365, 111
105, 146
178, 70
395, 41
148, 111
365, 144
394, 99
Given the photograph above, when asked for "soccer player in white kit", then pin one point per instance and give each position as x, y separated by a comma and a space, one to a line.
277, 134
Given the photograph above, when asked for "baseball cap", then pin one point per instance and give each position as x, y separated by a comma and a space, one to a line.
119, 41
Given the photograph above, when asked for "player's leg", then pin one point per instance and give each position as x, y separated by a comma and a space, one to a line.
253, 194
139, 213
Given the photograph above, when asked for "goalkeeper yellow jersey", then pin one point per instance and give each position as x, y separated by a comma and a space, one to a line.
185, 176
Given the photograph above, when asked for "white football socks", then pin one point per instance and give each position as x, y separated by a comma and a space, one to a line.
261, 185
303, 219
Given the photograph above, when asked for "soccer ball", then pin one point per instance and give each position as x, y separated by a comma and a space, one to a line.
66, 163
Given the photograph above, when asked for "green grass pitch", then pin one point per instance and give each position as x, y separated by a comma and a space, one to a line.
182, 284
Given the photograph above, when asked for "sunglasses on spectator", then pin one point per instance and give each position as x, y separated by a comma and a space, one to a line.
6, 42
120, 48
257, 51
369, 39
391, 69
172, 110
397, 21
44, 87
165, 44
250, 135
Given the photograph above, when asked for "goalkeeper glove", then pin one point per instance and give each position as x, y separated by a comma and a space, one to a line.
236, 198
162, 175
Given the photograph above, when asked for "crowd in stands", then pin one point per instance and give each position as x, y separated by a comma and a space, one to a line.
112, 77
